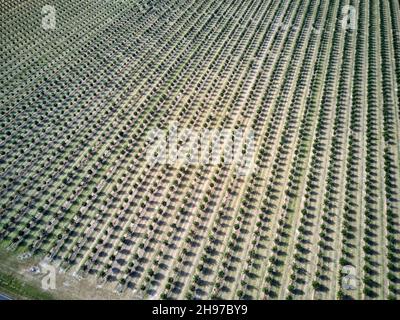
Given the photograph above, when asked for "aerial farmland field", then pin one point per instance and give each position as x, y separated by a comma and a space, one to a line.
198, 149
